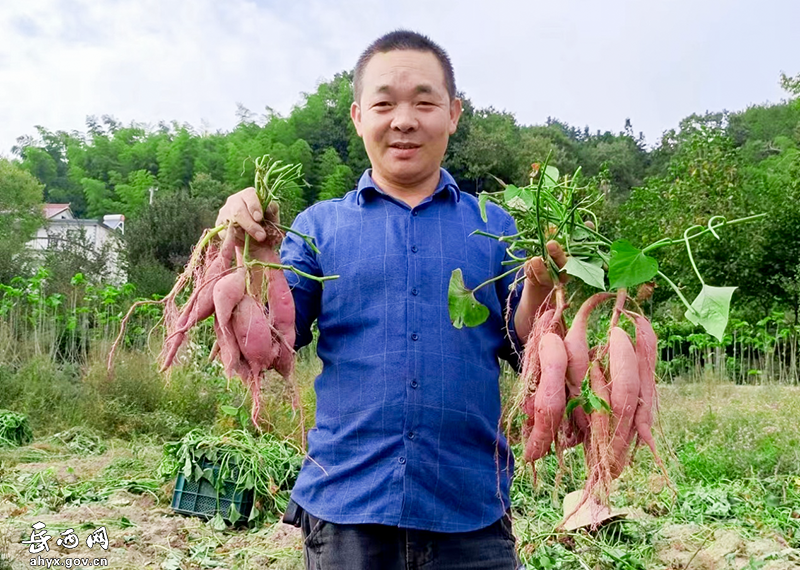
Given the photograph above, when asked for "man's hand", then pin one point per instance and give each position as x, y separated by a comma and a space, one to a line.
538, 277
538, 285
244, 209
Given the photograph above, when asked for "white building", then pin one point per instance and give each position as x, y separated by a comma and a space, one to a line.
64, 229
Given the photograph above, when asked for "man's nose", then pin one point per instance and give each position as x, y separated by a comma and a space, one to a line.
404, 119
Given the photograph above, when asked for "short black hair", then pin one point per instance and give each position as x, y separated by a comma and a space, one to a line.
404, 40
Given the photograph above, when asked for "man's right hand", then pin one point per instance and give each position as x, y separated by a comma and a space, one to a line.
244, 209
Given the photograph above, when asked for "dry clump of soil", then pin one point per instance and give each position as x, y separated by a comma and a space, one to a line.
70, 470
682, 545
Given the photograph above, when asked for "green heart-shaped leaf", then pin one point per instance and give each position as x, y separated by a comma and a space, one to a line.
711, 309
550, 175
464, 308
520, 198
587, 272
511, 192
628, 266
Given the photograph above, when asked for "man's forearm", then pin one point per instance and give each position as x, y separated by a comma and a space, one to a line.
531, 299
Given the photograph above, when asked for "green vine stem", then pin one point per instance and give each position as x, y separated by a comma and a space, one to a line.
677, 291
267, 265
308, 239
497, 278
689, 252
709, 229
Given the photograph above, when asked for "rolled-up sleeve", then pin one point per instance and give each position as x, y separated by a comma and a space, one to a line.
509, 292
306, 293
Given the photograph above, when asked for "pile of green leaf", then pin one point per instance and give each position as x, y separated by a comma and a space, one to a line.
15, 430
266, 465
560, 208
81, 440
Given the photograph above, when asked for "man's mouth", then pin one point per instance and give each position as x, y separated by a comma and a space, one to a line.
404, 145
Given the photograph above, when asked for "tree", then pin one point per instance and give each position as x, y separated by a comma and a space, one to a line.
176, 160
337, 183
159, 242
135, 194
791, 84
20, 216
490, 147
211, 191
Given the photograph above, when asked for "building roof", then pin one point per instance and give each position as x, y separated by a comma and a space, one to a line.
52, 210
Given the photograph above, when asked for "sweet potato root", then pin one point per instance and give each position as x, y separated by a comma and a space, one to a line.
550, 399
624, 373
577, 348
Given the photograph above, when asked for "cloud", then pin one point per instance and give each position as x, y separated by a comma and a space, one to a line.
150, 60
588, 63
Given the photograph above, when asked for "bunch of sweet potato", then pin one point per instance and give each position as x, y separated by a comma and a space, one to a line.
559, 365
253, 313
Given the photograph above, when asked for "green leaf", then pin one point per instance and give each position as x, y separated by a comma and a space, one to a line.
233, 513
587, 272
588, 400
528, 198
217, 522
173, 562
572, 404
596, 403
550, 175
208, 474
510, 193
229, 410
482, 198
628, 266
187, 468
711, 309
464, 308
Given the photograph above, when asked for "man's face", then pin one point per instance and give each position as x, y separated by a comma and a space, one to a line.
405, 116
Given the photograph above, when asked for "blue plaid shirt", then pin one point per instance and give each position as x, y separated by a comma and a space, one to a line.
408, 407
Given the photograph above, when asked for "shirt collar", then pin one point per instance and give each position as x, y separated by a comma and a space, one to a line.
446, 184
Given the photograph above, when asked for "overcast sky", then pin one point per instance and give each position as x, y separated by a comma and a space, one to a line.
586, 62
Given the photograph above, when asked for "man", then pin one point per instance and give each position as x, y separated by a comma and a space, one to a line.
407, 466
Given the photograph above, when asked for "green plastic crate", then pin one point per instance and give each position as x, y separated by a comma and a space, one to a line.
199, 498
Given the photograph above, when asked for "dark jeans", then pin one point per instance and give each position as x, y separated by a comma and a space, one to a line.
329, 546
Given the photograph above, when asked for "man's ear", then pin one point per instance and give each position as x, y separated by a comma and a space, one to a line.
355, 115
455, 113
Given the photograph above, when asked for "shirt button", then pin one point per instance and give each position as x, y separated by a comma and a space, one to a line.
415, 291
401, 460
411, 435
415, 213
414, 336
414, 384
414, 249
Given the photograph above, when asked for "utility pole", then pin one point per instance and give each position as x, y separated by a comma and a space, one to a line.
152, 191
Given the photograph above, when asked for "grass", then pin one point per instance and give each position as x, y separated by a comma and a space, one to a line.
733, 457
731, 452
14, 429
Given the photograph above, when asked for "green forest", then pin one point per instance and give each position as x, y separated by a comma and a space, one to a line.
730, 164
